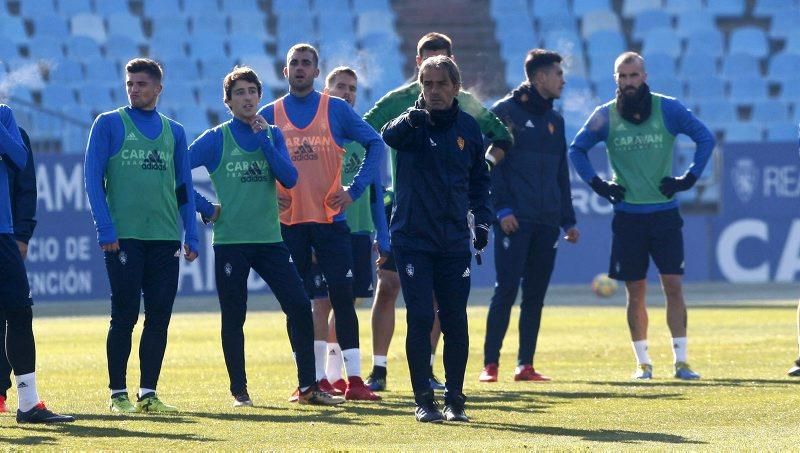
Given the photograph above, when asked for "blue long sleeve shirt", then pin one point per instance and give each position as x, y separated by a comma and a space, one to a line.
345, 126
206, 152
14, 156
105, 141
677, 119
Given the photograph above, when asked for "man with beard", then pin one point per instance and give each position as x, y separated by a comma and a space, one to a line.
441, 176
532, 199
316, 128
639, 129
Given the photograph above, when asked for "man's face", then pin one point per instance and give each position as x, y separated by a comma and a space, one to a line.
432, 53
551, 81
244, 100
301, 70
630, 76
344, 86
437, 89
143, 90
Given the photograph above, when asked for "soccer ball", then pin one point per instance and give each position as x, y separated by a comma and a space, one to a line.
604, 286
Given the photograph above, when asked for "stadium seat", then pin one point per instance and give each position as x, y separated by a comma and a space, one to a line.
69, 8
332, 7
121, 48
242, 6
163, 48
336, 25
669, 86
193, 119
605, 43
199, 7
55, 96
46, 48
213, 69
701, 89
102, 72
206, 45
726, 8
694, 21
782, 132
749, 40
373, 22
90, 25
662, 40
154, 8
13, 29
716, 113
682, 6
747, 90
205, 25
506, 7
558, 23
360, 6
108, 7
740, 65
605, 88
66, 73
127, 24
783, 25
544, 8
266, 70
649, 20
783, 67
743, 133
583, 7
695, 65
253, 24
97, 98
50, 25
183, 69
707, 42
177, 93
7, 52
210, 95
793, 43
280, 7
245, 45
31, 8
601, 66
765, 112
82, 48
772, 8
599, 20
659, 65
631, 8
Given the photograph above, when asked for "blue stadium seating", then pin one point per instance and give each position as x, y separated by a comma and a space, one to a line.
765, 112
251, 46
595, 21
740, 65
649, 20
210, 94
214, 68
180, 69
56, 96
206, 45
784, 24
106, 7
749, 40
697, 65
13, 29
90, 25
153, 8
30, 8
81, 48
72, 7
682, 6
662, 40
127, 24
729, 8
121, 48
782, 132
336, 26
743, 132
583, 7
241, 6
253, 24
66, 73
558, 23
659, 65
169, 28
332, 7
701, 89
507, 7
717, 113
793, 42
50, 25
747, 90
176, 93
773, 7
166, 47
545, 8
198, 7
632, 8
204, 24
669, 86
7, 53
47, 48
97, 98
606, 43
707, 42
101, 72
694, 21
360, 6
783, 68
791, 91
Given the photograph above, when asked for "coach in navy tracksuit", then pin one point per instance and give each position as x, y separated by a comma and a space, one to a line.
441, 175
23, 212
532, 200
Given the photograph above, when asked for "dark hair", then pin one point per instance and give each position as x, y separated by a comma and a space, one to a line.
239, 73
339, 70
538, 59
146, 65
441, 62
435, 41
303, 47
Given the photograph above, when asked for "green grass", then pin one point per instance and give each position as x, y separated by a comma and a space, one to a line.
744, 400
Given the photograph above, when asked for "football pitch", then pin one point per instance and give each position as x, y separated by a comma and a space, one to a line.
742, 345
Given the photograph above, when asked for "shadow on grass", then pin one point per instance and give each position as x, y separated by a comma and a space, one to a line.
703, 383
592, 435
172, 419
496, 399
31, 440
78, 430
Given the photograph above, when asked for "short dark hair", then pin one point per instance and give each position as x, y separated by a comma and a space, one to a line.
435, 41
239, 73
303, 47
441, 62
339, 70
146, 65
538, 59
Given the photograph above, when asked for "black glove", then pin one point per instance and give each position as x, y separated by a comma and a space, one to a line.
611, 191
669, 185
417, 118
481, 237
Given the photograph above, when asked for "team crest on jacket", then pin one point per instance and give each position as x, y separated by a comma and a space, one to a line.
551, 128
460, 142
410, 269
228, 269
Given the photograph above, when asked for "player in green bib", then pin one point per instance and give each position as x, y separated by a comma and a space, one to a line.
245, 158
138, 179
639, 129
365, 217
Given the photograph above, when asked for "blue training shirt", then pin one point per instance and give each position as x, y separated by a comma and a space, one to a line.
105, 141
14, 155
677, 119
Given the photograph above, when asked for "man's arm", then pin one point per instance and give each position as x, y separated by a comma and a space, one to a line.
278, 158
356, 129
184, 190
94, 170
205, 151
379, 216
23, 196
593, 132
479, 182
567, 219
389, 107
12, 150
401, 135
680, 120
490, 124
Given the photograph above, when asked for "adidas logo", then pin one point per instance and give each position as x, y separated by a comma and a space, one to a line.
349, 273
253, 170
236, 152
332, 352
466, 273
131, 136
22, 385
529, 124
433, 143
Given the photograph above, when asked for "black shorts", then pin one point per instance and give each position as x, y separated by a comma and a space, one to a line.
363, 285
637, 237
14, 289
389, 264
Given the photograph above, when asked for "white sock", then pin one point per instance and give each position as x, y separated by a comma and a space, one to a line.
679, 349
352, 362
379, 360
114, 392
333, 369
640, 350
320, 353
433, 359
26, 391
143, 391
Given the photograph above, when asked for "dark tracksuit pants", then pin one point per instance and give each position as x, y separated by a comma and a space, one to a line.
445, 275
140, 269
528, 255
16, 316
333, 247
232, 264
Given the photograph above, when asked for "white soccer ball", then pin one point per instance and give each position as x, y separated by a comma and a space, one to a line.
604, 286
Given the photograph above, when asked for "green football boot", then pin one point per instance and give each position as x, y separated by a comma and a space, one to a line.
121, 404
151, 404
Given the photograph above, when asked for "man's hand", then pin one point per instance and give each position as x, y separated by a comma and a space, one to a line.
111, 247
382, 255
258, 124
494, 155
23, 249
188, 253
340, 200
284, 202
670, 186
481, 237
417, 118
611, 191
214, 217
572, 235
509, 224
